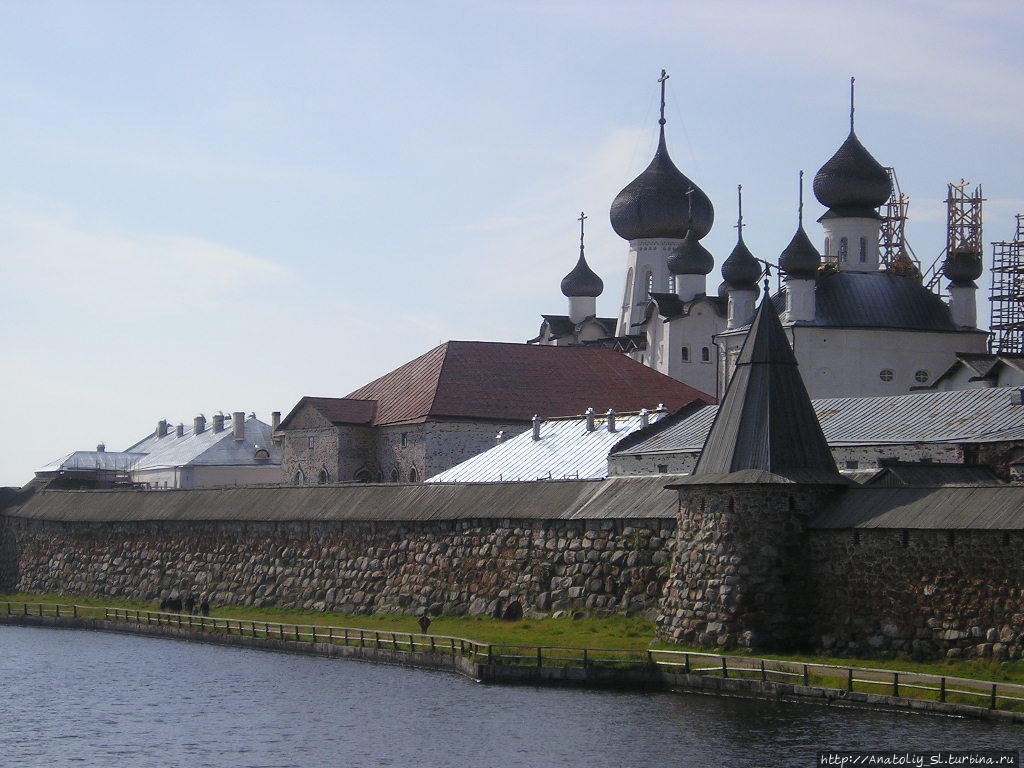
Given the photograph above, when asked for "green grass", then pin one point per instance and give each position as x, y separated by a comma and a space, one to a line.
615, 632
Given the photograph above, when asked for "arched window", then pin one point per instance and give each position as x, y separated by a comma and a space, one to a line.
394, 475
649, 281
863, 250
363, 476
686, 354
299, 479
705, 354
262, 454
323, 478
827, 244
671, 283
414, 476
844, 248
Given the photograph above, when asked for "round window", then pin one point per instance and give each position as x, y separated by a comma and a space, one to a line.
886, 374
921, 377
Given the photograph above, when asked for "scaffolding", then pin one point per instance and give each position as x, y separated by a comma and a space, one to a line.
963, 229
1006, 320
895, 253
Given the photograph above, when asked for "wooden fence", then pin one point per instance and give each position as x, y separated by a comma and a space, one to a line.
864, 679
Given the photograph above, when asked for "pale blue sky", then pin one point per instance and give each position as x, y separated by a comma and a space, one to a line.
230, 205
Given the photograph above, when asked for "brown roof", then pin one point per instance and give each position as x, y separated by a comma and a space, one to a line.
512, 382
337, 410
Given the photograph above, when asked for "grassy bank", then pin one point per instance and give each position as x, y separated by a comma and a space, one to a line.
618, 632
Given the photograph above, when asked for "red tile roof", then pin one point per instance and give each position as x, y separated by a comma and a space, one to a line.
512, 382
337, 410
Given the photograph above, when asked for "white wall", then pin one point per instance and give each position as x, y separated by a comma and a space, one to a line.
645, 254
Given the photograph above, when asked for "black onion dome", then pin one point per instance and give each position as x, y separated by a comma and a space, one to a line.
800, 258
852, 182
582, 281
962, 267
723, 290
654, 204
691, 258
741, 270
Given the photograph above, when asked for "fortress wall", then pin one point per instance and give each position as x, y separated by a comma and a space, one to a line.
455, 566
928, 593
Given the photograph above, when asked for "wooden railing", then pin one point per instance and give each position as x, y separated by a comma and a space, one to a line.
864, 679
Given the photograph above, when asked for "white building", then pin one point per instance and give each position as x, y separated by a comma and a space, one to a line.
856, 328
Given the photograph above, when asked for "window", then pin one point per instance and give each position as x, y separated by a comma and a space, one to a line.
649, 281
827, 244
310, 442
852, 464
904, 538
863, 250
686, 354
705, 354
886, 374
843, 249
323, 478
363, 476
671, 283
394, 475
922, 376
299, 479
262, 454
405, 439
663, 469
414, 476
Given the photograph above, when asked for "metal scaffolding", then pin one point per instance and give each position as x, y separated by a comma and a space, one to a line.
1007, 297
963, 229
894, 251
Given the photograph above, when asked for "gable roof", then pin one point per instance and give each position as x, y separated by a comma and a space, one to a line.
208, 448
337, 410
501, 381
766, 421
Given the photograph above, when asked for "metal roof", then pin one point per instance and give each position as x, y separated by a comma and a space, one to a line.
114, 461
614, 498
766, 420
565, 449
950, 508
961, 416
208, 448
924, 474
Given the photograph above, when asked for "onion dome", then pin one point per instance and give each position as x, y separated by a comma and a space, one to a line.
741, 270
655, 204
691, 258
582, 281
963, 266
800, 258
852, 182
723, 290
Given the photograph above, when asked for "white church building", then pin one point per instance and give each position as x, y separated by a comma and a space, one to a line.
856, 327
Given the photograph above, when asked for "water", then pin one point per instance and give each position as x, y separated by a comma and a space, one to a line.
95, 699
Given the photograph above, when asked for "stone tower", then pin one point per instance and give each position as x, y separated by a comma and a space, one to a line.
736, 573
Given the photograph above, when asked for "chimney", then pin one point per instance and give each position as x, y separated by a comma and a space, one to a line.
101, 448
645, 418
661, 408
218, 422
590, 419
161, 428
611, 420
275, 421
198, 424
1017, 397
179, 431
536, 427
238, 425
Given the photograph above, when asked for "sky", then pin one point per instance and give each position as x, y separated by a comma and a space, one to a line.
222, 206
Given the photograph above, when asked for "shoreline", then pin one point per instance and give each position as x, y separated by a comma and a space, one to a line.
593, 677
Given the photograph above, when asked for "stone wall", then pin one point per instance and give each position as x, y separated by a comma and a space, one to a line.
463, 566
924, 593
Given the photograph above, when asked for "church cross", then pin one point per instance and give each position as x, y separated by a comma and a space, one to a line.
739, 220
662, 79
583, 217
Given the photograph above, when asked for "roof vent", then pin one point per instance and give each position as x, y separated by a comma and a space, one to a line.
611, 420
500, 437
198, 424
1017, 397
536, 427
661, 408
238, 425
590, 419
101, 448
645, 417
179, 431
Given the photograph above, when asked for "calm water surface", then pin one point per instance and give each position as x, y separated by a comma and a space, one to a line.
95, 699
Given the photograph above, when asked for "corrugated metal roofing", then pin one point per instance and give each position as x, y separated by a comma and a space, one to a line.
962, 416
208, 448
951, 508
903, 475
627, 497
565, 449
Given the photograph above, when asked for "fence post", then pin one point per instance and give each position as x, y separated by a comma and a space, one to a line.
895, 683
686, 662
330, 635
539, 657
650, 659
412, 645
992, 702
725, 668
296, 631
849, 679
40, 609
807, 679
314, 633
432, 644
764, 676
58, 610
74, 610
942, 689
490, 653
453, 647
362, 643
376, 639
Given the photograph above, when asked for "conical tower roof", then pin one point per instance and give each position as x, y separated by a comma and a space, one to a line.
766, 422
